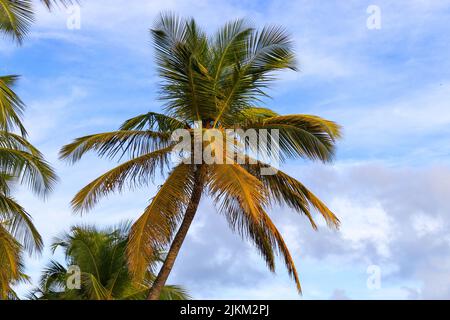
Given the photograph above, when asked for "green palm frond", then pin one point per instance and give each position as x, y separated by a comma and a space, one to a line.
16, 16
110, 144
19, 224
154, 121
101, 256
254, 114
30, 169
266, 52
171, 292
303, 136
13, 141
181, 55
137, 171
269, 50
229, 45
54, 278
11, 106
94, 288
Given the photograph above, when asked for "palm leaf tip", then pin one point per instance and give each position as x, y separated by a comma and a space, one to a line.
50, 4
11, 106
15, 18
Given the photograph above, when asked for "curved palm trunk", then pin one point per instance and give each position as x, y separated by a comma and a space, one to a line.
189, 215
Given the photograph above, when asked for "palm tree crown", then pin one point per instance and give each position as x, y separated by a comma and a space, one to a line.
217, 82
100, 256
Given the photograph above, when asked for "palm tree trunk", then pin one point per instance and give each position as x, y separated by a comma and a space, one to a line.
177, 242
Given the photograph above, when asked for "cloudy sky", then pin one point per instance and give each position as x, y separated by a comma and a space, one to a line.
389, 88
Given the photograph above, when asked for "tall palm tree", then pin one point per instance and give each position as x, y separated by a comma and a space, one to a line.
20, 162
101, 257
216, 82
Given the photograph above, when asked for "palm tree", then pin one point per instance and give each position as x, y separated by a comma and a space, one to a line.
217, 83
20, 163
101, 257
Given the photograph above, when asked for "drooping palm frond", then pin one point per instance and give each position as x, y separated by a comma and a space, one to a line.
11, 271
278, 242
241, 198
286, 190
20, 162
154, 229
11, 106
19, 224
137, 171
10, 140
30, 169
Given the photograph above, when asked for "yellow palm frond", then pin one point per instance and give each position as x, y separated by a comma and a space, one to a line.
154, 229
240, 197
137, 171
282, 249
10, 262
284, 189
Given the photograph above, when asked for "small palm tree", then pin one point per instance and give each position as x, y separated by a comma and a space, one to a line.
215, 82
101, 257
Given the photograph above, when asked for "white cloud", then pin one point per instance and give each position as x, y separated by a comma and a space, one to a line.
364, 223
425, 225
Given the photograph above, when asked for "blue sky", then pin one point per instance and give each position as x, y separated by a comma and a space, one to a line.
388, 88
